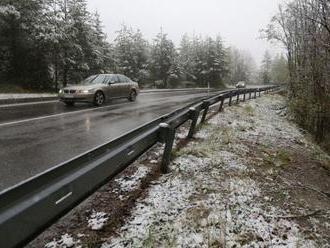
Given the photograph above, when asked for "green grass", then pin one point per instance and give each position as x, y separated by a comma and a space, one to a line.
280, 159
249, 110
153, 238
92, 241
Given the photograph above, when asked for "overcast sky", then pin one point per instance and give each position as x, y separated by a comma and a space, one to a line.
237, 21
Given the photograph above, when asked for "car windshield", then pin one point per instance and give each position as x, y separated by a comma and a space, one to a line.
95, 79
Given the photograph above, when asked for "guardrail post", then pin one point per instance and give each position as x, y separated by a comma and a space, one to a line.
255, 94
167, 134
230, 98
259, 92
221, 104
237, 98
207, 105
194, 114
244, 95
249, 95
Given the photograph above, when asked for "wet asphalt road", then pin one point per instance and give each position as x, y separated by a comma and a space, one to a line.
35, 137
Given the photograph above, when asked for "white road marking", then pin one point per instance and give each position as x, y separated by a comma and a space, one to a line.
63, 198
130, 153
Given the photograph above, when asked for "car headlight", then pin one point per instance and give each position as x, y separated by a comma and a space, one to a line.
60, 91
83, 91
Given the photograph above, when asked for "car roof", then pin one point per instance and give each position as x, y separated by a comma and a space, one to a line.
110, 74
106, 74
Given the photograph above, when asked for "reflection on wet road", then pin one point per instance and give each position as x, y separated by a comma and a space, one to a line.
36, 137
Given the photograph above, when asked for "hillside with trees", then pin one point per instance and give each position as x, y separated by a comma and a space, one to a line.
47, 44
303, 27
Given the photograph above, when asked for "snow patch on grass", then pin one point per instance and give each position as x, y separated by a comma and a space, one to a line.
164, 204
181, 132
65, 241
19, 96
97, 220
190, 163
132, 182
230, 160
209, 199
202, 134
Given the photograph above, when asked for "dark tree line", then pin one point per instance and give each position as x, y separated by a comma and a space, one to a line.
46, 44
303, 26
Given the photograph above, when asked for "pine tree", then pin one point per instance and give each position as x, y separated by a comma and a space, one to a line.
99, 58
185, 60
163, 59
266, 68
241, 66
131, 53
279, 70
203, 61
22, 29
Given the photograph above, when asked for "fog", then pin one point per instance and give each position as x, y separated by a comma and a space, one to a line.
237, 21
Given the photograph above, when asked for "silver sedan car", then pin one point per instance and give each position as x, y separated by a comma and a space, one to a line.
97, 89
241, 84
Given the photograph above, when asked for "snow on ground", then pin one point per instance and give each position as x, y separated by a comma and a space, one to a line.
20, 96
97, 220
202, 134
65, 241
212, 197
133, 182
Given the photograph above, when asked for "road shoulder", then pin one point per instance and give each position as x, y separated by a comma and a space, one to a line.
25, 98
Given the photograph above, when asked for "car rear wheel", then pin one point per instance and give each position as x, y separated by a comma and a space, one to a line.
69, 103
99, 98
132, 96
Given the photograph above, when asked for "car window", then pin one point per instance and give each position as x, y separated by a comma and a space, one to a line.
122, 79
127, 79
96, 79
112, 79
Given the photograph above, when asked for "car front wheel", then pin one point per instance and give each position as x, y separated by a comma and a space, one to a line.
132, 96
99, 98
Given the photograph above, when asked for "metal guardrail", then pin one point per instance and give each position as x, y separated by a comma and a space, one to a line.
33, 205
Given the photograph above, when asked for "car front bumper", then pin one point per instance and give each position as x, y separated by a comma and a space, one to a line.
76, 97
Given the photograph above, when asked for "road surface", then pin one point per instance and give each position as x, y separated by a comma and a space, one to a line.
35, 137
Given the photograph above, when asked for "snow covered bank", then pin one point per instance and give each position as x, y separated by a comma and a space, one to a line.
216, 195
20, 96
